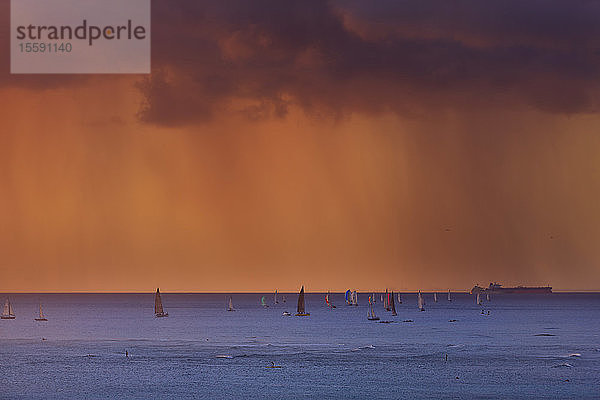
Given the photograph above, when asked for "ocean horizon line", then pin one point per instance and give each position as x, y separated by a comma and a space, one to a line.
3, 292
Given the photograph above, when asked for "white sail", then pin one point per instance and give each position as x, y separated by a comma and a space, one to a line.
230, 306
41, 312
328, 301
487, 296
478, 299
420, 302
371, 314
399, 299
7, 309
449, 298
435, 297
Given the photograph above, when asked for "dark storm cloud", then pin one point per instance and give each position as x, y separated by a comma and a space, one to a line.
260, 57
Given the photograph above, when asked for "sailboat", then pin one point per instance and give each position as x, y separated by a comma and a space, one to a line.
386, 301
230, 305
449, 298
374, 298
381, 298
263, 302
392, 305
41, 316
7, 313
301, 311
328, 302
275, 297
399, 299
354, 298
478, 300
434, 297
487, 296
371, 314
158, 307
420, 302
348, 295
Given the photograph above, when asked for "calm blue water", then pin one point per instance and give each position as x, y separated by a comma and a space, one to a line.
528, 347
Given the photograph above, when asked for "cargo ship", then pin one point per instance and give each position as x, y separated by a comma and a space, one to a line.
498, 288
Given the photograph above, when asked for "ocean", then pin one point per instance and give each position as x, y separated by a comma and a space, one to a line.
529, 346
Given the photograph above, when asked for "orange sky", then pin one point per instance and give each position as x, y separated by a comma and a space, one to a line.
117, 184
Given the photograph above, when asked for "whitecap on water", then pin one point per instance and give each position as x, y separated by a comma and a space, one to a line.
563, 365
369, 346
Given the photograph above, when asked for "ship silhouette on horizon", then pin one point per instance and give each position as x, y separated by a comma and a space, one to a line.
495, 287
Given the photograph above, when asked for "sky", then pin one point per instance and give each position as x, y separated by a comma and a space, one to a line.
366, 145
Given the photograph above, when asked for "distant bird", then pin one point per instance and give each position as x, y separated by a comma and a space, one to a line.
447, 229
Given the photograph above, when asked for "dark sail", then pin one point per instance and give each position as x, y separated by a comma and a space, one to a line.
393, 304
301, 301
158, 307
